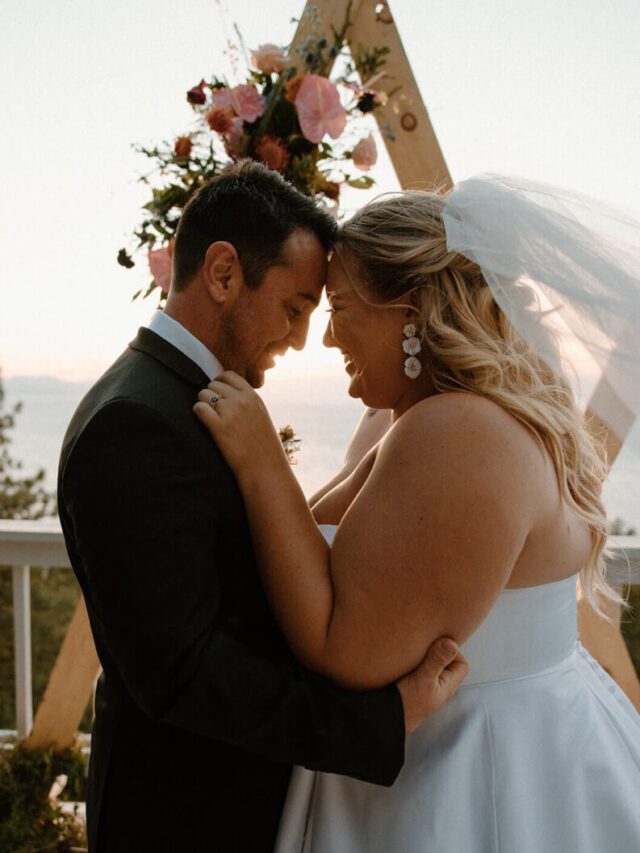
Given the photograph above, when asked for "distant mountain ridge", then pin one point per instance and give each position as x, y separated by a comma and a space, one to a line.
16, 385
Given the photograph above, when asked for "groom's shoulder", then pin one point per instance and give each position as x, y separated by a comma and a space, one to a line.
135, 386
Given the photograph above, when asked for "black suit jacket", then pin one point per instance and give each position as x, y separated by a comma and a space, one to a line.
200, 710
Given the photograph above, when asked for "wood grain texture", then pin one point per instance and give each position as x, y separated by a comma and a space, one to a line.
70, 686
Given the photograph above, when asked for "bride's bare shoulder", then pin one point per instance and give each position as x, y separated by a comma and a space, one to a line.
463, 425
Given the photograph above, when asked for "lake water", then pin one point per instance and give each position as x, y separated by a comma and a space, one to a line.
317, 407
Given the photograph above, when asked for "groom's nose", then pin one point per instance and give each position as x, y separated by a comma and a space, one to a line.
298, 330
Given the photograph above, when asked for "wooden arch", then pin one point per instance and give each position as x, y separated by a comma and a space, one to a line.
418, 161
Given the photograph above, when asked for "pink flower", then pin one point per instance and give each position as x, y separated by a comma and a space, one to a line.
365, 154
196, 95
160, 266
244, 100
269, 58
221, 97
319, 109
235, 142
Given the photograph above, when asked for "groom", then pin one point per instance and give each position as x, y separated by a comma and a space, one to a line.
201, 710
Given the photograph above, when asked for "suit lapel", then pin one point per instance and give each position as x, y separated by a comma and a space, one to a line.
164, 352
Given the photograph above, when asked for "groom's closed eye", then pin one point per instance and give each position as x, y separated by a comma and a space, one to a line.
310, 298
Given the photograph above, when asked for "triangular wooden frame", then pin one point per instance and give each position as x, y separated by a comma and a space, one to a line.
419, 163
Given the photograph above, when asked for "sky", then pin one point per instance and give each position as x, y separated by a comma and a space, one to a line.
543, 89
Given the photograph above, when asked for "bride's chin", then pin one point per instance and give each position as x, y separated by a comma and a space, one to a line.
355, 386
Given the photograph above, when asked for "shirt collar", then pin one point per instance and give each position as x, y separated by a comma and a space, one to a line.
176, 334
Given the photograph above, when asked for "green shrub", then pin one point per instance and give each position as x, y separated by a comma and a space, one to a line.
29, 821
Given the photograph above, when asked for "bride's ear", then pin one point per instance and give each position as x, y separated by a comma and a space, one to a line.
222, 273
412, 310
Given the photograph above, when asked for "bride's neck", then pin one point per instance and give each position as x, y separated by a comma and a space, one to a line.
413, 395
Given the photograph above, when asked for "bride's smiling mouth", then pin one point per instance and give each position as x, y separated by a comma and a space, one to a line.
349, 364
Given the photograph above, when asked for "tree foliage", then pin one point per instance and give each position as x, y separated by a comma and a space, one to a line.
54, 592
22, 496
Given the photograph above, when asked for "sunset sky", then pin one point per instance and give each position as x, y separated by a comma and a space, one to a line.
547, 90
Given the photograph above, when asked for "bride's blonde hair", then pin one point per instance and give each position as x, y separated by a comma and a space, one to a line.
399, 245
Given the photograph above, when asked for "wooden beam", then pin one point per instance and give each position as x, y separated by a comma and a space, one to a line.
404, 122
70, 686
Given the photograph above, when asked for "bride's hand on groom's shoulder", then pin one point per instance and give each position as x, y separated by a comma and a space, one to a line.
425, 690
239, 423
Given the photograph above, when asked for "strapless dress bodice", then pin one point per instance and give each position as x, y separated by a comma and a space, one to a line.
537, 752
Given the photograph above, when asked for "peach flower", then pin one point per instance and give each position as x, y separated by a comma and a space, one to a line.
292, 87
269, 58
319, 109
160, 266
365, 154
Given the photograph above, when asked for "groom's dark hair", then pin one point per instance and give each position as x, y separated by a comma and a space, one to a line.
255, 210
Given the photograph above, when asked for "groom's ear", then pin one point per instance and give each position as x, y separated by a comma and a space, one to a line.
222, 272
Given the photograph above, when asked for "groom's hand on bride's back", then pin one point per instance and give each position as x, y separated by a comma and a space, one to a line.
432, 683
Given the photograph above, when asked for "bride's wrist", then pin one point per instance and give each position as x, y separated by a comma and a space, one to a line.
267, 470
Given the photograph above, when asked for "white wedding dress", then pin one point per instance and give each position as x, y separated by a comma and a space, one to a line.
538, 752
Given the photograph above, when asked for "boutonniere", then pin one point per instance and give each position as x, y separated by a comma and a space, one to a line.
290, 443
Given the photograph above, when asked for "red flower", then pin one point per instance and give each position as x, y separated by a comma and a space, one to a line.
332, 190
182, 147
219, 119
273, 153
197, 94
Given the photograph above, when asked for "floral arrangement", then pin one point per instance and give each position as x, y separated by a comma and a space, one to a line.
284, 115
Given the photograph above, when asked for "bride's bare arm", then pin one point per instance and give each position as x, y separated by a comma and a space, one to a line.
421, 553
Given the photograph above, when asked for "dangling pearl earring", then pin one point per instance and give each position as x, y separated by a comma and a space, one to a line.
412, 346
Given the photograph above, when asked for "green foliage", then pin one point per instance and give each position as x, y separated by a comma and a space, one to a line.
21, 496
29, 821
54, 592
370, 61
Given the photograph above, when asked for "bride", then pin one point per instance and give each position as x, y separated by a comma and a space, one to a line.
472, 518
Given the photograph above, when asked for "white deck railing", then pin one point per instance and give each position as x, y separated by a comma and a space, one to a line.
40, 543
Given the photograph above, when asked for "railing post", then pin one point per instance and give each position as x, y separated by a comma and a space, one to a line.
22, 640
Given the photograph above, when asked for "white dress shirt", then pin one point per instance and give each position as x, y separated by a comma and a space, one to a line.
175, 333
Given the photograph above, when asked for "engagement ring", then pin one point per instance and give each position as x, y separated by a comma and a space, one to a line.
214, 399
